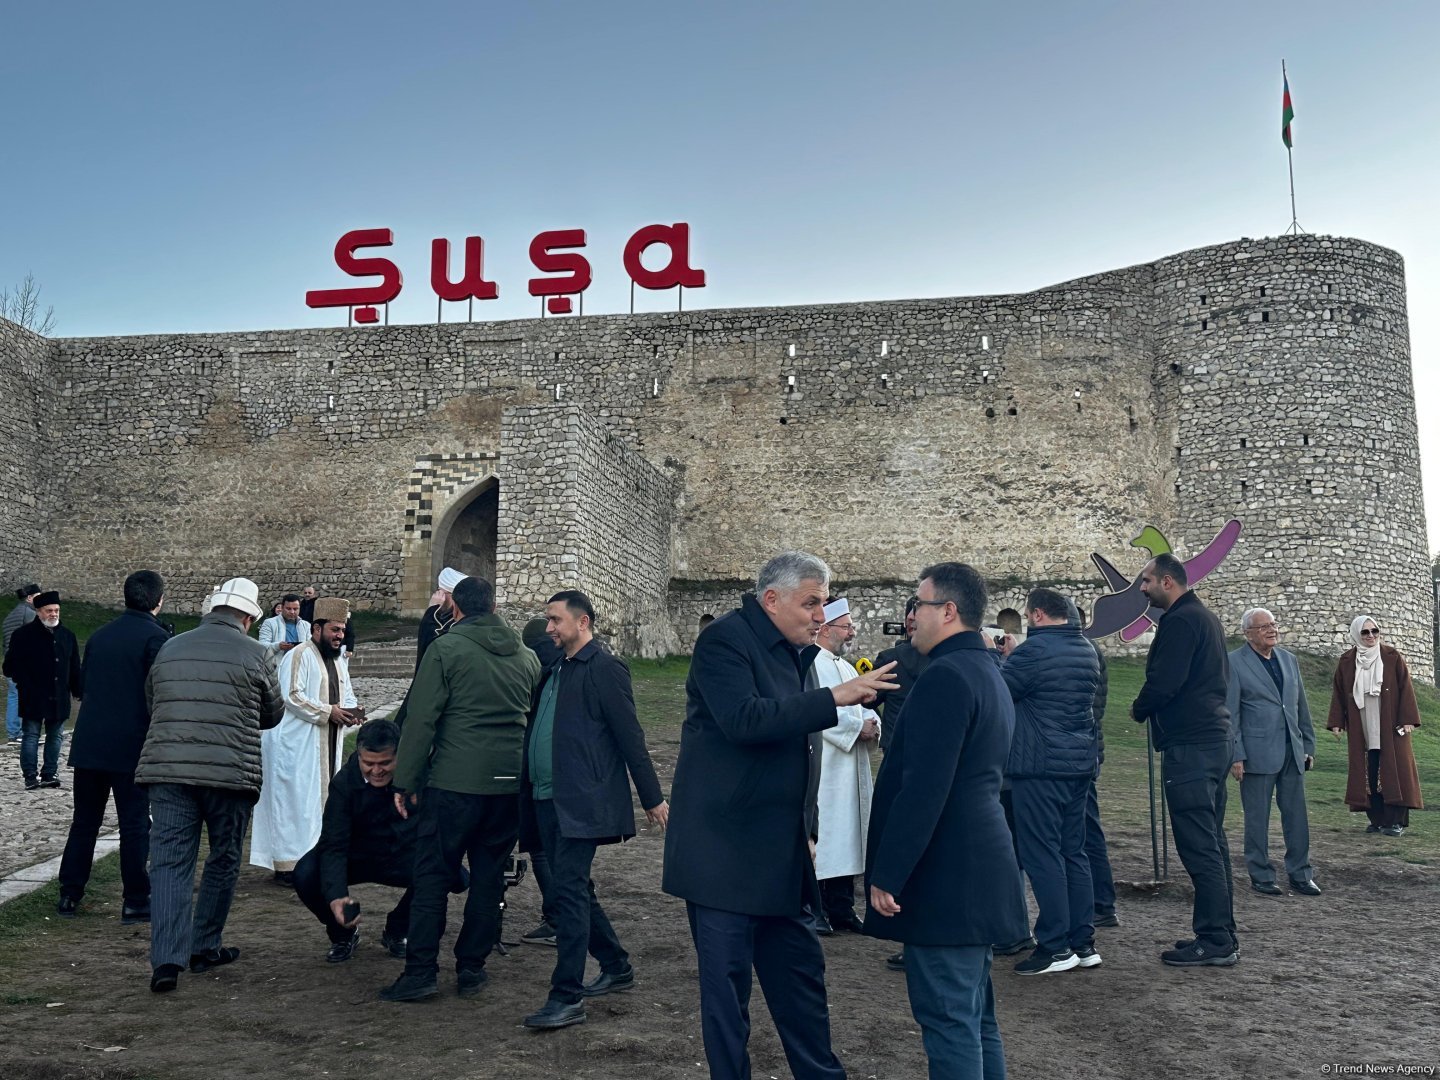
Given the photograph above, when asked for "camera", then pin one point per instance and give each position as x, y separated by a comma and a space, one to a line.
893, 629
997, 635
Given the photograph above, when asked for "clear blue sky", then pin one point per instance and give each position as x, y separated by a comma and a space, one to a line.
183, 166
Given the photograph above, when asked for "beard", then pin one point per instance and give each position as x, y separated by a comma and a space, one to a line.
51, 623
328, 651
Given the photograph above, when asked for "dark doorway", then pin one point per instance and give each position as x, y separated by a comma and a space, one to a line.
467, 536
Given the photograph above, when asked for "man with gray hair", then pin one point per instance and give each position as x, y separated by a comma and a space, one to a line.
1273, 747
737, 850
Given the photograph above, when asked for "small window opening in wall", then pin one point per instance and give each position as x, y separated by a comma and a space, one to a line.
1262, 290
204, 367
1304, 440
1012, 411
792, 352
1177, 487
330, 402
985, 375
1264, 316
655, 388
1242, 444
990, 414
557, 391
1174, 368
331, 367
1204, 324
790, 382
1179, 453
1204, 300
784, 420
1325, 287
885, 381
884, 348
1244, 486
985, 342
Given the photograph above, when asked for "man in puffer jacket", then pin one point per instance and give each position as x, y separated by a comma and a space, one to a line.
1053, 677
211, 692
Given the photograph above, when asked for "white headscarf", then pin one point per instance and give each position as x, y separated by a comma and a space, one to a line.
1368, 668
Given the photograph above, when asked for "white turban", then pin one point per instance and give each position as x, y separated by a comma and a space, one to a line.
835, 610
449, 578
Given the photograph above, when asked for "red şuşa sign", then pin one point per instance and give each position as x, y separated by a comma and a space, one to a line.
555, 252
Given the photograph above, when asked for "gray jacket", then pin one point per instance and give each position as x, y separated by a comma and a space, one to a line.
19, 615
211, 692
1261, 716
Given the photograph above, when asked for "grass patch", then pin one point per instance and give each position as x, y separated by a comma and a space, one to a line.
20, 918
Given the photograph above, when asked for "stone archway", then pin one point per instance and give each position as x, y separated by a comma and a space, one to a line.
451, 513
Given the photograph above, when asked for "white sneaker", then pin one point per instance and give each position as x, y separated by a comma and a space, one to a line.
1043, 963
1087, 957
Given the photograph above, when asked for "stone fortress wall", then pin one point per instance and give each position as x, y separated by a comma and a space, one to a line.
656, 460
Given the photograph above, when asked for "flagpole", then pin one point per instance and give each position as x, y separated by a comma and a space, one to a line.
1290, 160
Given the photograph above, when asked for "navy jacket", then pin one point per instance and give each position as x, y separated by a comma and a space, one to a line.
114, 715
938, 839
361, 825
45, 667
596, 738
736, 839
1053, 676
1187, 677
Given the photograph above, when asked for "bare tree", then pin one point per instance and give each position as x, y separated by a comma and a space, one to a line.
21, 306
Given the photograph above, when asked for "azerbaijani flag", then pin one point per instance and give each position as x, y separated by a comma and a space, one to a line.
1287, 113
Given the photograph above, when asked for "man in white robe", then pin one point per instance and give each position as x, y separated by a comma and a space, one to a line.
846, 780
301, 755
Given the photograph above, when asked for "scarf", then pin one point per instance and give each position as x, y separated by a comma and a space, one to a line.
1368, 668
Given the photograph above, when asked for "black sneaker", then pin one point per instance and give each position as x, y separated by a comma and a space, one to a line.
1014, 947
544, 934
1108, 919
31, 784
285, 878
340, 951
896, 962
1372, 828
52, 782
1087, 957
470, 983
396, 946
214, 958
410, 988
1198, 954
1046, 963
1388, 830
68, 907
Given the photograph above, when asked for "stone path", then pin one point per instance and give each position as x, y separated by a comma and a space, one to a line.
34, 824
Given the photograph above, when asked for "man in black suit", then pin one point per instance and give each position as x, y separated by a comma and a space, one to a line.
582, 737
43, 661
105, 748
1187, 678
737, 849
940, 864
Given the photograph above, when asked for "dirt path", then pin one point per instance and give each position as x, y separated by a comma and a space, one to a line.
1344, 978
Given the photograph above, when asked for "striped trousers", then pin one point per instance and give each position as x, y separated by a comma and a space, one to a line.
180, 924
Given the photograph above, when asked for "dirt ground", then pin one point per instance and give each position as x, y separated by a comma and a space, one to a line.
1346, 978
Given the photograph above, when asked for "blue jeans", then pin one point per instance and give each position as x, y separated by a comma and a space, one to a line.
954, 1004
12, 712
30, 748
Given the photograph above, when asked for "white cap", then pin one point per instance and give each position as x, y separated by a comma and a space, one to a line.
239, 593
449, 578
835, 610
209, 601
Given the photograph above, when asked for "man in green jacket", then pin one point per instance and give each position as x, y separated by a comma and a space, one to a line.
459, 768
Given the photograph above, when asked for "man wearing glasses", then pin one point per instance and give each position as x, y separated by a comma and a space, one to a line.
1274, 747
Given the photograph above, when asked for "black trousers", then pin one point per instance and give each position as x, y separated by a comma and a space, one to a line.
132, 806
1195, 794
786, 955
357, 872
455, 826
581, 925
837, 897
1379, 811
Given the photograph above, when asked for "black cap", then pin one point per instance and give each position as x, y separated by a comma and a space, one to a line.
27, 591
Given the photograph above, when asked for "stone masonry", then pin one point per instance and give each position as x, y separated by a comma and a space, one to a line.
1263, 379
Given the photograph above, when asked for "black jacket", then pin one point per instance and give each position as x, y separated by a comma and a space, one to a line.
431, 627
596, 737
1052, 678
911, 663
938, 840
113, 713
1102, 698
45, 666
1187, 675
736, 839
361, 824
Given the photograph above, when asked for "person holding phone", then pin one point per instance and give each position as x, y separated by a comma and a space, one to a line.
1273, 748
1373, 703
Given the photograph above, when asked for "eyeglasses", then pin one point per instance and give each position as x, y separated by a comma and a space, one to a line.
1369, 633
1264, 626
931, 603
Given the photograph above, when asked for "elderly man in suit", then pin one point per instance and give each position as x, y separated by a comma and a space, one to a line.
736, 851
1274, 747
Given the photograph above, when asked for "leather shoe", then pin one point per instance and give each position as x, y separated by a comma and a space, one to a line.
1305, 888
1110, 919
411, 988
556, 1014
165, 977
470, 983
606, 983
1014, 947
823, 927
214, 958
131, 916
1269, 888
848, 922
394, 945
68, 907
896, 962
52, 782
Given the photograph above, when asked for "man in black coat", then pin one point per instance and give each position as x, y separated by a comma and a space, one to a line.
1187, 676
582, 737
363, 838
909, 662
44, 662
737, 850
940, 864
105, 748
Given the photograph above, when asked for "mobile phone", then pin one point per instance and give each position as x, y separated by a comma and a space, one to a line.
351, 910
